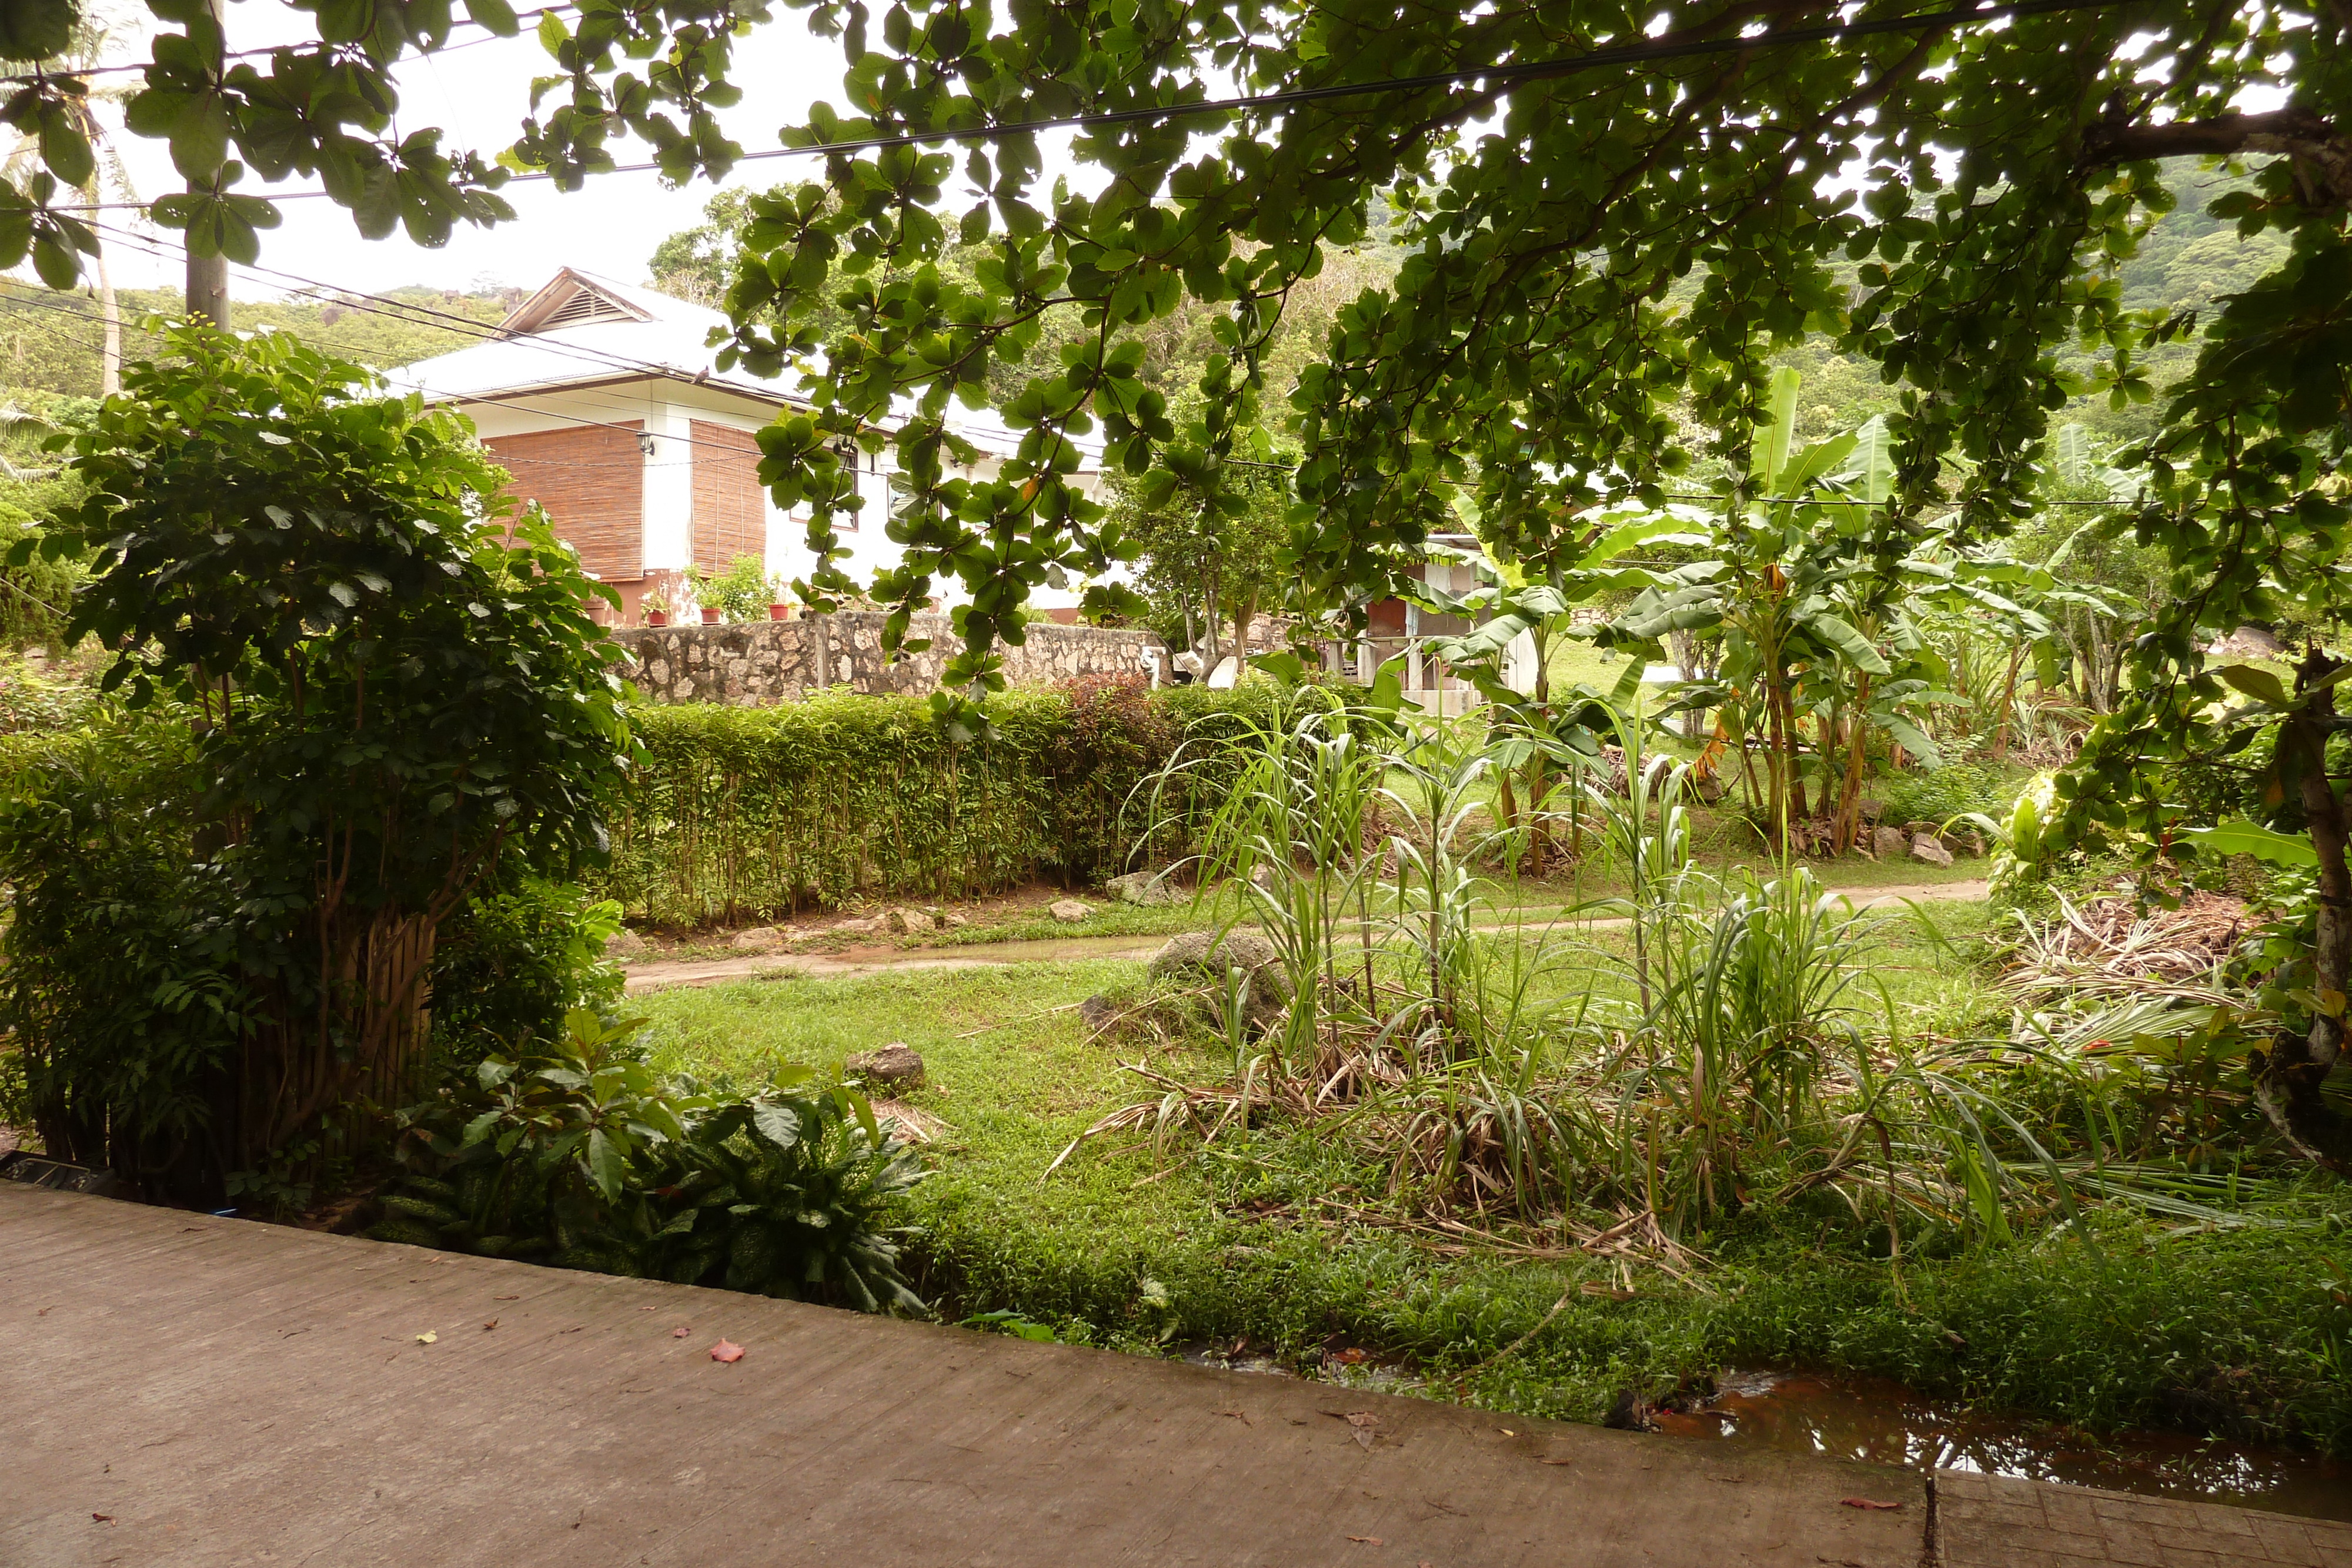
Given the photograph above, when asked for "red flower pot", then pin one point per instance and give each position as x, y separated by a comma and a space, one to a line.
780, 611
709, 616
657, 617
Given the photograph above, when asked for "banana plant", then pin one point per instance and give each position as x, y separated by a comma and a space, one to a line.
1780, 592
1540, 737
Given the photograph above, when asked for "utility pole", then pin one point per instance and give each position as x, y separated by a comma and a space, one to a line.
207, 292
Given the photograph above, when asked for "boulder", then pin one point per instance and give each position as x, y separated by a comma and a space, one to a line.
951, 921
909, 922
1068, 911
1095, 1012
625, 944
1870, 810
1886, 841
1924, 847
1144, 887
758, 939
856, 927
897, 1066
1194, 957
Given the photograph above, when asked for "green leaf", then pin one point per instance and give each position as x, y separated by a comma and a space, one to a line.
2238, 837
2258, 684
607, 1166
496, 16
1850, 644
778, 1125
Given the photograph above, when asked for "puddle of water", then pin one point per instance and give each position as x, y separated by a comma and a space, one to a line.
1881, 1421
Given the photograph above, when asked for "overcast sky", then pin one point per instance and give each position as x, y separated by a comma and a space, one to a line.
478, 94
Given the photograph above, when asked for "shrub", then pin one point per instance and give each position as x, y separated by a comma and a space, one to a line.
1937, 795
511, 963
391, 693
118, 991
751, 812
580, 1154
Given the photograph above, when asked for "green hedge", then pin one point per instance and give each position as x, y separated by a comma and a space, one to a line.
751, 812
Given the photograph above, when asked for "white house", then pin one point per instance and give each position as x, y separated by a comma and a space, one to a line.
604, 401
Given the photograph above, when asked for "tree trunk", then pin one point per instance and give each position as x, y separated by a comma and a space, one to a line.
109, 314
2288, 1084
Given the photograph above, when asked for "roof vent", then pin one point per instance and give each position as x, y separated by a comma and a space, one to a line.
568, 300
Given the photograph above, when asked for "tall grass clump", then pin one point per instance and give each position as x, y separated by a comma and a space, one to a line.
1629, 1077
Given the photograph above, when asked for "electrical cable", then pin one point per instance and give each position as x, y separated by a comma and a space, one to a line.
1530, 72
72, 73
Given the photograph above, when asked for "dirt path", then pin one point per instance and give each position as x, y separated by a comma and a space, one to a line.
661, 975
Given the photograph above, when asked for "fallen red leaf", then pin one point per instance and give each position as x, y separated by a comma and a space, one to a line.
1866, 1502
678, 1333
490, 1325
725, 1349
103, 1518
1368, 1539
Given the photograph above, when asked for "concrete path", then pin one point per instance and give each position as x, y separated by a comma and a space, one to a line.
660, 975
185, 1390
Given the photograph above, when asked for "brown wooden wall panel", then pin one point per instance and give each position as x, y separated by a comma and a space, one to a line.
592, 480
729, 508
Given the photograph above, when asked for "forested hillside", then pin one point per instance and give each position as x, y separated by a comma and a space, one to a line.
50, 342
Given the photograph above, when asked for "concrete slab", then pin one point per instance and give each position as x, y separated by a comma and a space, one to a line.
187, 1391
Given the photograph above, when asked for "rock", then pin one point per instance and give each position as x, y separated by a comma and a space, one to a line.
1068, 911
758, 939
1192, 957
912, 922
1144, 887
1925, 848
1228, 671
1968, 841
1886, 841
1870, 810
898, 1067
953, 921
625, 944
856, 927
1095, 1012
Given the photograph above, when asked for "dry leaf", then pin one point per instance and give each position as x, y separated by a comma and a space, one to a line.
1368, 1539
678, 1333
1866, 1502
490, 1325
1363, 1418
725, 1349
103, 1518
427, 1337
506, 1298
1555, 1461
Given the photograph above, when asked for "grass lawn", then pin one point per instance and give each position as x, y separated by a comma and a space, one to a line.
1240, 1240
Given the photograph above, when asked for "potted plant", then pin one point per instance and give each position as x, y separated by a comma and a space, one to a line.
657, 609
779, 607
711, 613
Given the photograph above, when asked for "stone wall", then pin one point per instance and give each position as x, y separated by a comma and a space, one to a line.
765, 662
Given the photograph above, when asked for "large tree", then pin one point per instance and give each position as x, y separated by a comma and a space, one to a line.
1552, 172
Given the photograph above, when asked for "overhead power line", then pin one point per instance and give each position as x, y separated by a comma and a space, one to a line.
1502, 75
73, 72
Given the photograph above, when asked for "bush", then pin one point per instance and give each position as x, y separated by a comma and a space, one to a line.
1940, 794
580, 1154
118, 990
754, 811
394, 691
509, 965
